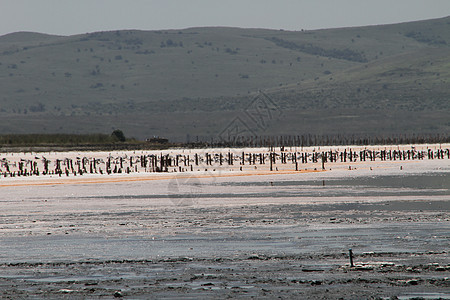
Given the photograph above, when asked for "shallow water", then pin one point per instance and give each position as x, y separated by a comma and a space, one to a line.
138, 221
156, 230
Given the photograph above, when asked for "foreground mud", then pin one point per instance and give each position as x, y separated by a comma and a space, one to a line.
252, 251
255, 276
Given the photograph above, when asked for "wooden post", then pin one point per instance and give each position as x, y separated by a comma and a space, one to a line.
270, 158
323, 161
350, 252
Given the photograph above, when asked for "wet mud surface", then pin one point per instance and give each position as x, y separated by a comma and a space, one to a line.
235, 237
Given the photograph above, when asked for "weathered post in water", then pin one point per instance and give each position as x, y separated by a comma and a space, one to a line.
350, 254
323, 160
271, 161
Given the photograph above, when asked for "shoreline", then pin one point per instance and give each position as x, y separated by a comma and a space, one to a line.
47, 168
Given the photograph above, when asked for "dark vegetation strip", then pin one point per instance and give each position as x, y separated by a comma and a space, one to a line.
55, 139
346, 54
82, 142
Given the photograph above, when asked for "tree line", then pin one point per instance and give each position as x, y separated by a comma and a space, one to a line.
34, 139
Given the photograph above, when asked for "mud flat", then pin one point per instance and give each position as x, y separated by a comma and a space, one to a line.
226, 232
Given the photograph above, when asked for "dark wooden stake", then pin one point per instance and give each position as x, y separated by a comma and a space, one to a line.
350, 253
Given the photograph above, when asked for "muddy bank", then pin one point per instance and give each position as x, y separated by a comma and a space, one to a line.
250, 251
254, 276
254, 236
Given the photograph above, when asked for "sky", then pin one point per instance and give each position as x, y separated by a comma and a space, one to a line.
67, 17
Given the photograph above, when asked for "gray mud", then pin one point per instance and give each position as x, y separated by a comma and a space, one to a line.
252, 237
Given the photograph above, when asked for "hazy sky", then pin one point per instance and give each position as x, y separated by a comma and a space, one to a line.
66, 17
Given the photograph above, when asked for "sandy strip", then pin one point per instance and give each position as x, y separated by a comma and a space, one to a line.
146, 177
50, 180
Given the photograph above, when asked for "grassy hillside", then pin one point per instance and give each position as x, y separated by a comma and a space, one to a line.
196, 82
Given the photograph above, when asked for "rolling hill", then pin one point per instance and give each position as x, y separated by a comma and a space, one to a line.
215, 82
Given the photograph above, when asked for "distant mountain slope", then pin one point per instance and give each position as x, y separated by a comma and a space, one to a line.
26, 37
195, 81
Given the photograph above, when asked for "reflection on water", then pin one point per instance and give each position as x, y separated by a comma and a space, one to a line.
410, 185
426, 181
103, 221
377, 186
